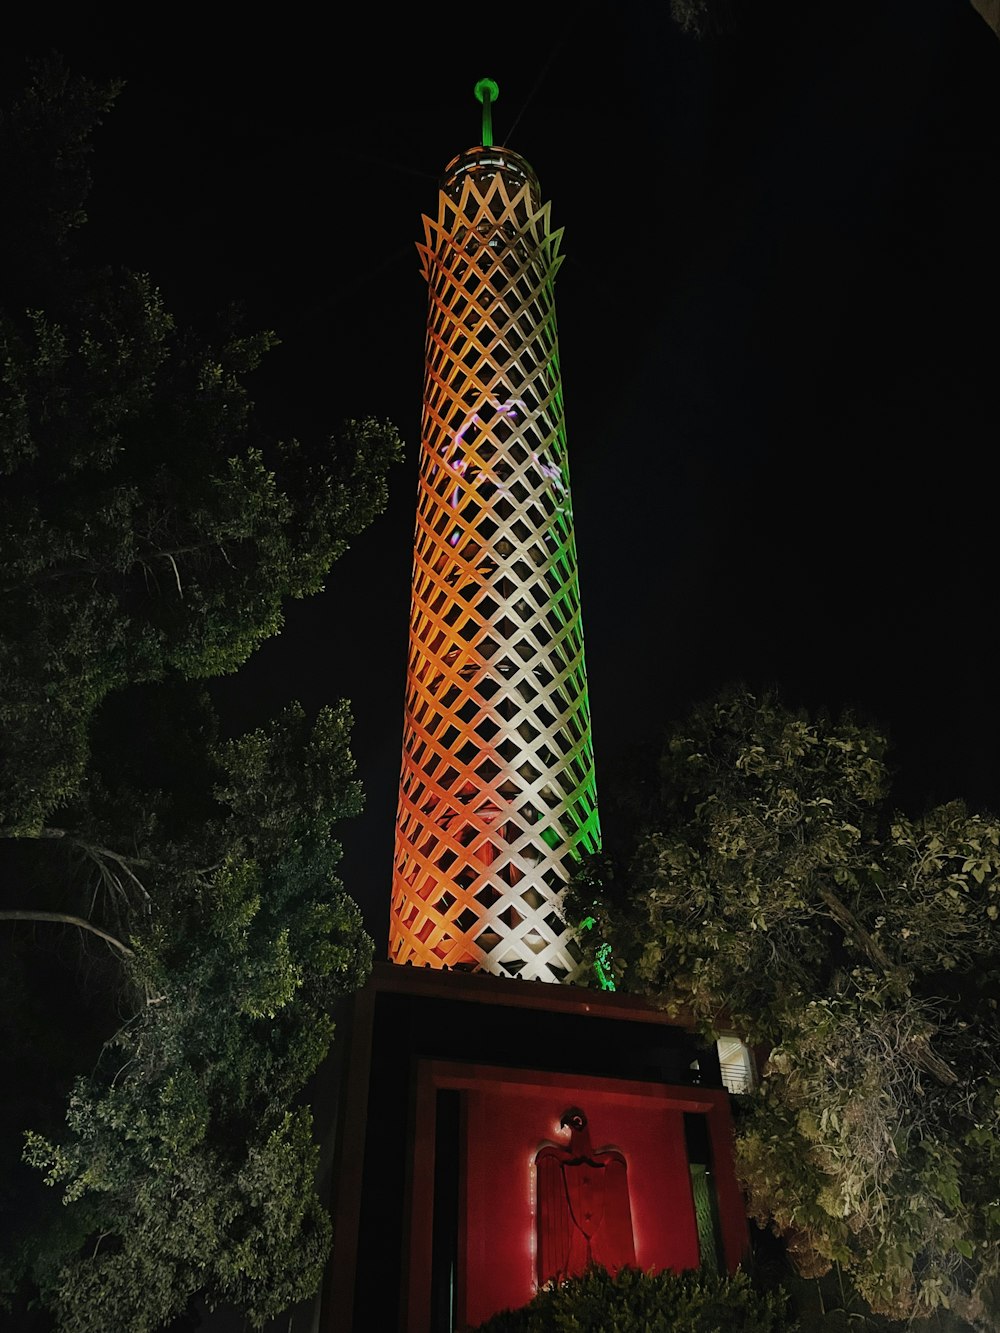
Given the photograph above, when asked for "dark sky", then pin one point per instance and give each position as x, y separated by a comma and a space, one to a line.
778, 322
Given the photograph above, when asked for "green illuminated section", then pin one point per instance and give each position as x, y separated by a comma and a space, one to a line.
603, 963
487, 93
701, 1191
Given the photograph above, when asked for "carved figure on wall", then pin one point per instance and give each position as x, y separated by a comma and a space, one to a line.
583, 1212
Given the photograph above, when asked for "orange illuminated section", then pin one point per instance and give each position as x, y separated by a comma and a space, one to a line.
497, 794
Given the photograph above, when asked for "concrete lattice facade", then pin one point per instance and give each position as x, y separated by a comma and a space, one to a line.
497, 795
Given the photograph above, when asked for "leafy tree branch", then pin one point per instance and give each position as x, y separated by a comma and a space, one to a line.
774, 892
151, 531
63, 918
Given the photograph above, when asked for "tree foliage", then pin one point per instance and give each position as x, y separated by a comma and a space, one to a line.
777, 894
187, 1163
146, 524
635, 1302
149, 533
699, 18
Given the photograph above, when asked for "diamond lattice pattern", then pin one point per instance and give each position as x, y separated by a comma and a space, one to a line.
497, 795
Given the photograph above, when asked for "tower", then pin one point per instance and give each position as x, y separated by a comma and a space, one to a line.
497, 796
472, 1081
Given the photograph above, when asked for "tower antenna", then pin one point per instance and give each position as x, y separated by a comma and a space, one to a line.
487, 92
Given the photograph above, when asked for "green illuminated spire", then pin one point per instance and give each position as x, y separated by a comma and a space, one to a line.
487, 93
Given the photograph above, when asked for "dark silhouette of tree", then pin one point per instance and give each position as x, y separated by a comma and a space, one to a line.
776, 894
149, 534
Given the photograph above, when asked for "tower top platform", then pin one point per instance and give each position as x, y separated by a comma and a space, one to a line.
481, 164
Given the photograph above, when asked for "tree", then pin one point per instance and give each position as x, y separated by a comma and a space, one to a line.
147, 526
703, 16
776, 894
149, 533
188, 1166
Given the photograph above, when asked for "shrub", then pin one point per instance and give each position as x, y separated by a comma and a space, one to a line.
636, 1302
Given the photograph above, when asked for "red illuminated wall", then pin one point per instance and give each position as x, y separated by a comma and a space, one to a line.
506, 1127
507, 1116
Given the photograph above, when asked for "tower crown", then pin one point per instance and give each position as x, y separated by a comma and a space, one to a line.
481, 164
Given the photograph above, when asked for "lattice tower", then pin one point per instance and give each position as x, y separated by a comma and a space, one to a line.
497, 794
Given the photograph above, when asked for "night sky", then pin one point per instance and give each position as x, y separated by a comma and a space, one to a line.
778, 324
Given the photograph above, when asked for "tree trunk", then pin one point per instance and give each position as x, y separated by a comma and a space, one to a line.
66, 920
845, 918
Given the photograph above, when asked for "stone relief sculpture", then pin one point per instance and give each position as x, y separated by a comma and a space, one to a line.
583, 1211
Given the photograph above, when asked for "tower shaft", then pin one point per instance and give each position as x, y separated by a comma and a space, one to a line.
497, 794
